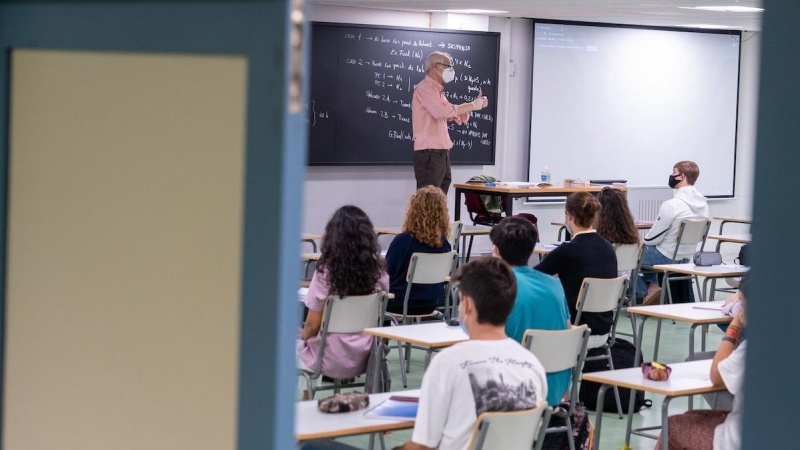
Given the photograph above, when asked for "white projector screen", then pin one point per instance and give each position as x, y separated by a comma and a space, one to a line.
628, 103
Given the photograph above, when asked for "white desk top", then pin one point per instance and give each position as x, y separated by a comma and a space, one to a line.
315, 256
736, 238
684, 312
543, 249
466, 230
720, 271
311, 423
433, 335
640, 224
687, 378
734, 220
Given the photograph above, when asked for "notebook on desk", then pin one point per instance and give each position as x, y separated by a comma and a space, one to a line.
396, 407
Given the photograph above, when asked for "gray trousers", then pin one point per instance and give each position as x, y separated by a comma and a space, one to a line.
432, 167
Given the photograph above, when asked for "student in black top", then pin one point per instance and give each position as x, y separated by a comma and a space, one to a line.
425, 230
587, 255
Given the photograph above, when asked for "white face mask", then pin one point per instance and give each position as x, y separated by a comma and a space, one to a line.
448, 75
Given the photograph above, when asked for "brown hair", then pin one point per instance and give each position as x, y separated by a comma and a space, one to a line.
615, 222
583, 208
427, 218
689, 169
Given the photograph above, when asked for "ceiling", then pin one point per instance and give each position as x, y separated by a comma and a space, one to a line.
634, 12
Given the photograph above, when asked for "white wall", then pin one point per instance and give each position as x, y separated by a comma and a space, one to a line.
383, 191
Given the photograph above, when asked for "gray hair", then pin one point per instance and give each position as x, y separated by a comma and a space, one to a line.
434, 58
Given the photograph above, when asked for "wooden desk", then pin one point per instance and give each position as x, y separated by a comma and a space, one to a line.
312, 239
310, 423
428, 335
725, 220
688, 378
681, 312
640, 225
731, 238
710, 273
543, 249
510, 193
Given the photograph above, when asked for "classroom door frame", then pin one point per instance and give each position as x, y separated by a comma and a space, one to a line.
274, 164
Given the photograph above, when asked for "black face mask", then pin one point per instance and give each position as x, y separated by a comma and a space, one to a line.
673, 181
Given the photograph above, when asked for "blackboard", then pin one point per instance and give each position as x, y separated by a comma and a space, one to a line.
362, 80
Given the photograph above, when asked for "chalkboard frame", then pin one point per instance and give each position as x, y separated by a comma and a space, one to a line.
492, 102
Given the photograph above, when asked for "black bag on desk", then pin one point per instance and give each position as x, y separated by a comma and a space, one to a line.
622, 353
744, 258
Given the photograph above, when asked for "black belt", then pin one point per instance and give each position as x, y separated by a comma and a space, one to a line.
439, 151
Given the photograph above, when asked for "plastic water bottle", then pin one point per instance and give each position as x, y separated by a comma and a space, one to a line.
545, 176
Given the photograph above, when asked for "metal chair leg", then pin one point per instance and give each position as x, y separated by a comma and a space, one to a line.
616, 389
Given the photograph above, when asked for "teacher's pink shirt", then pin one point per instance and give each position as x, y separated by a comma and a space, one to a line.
430, 112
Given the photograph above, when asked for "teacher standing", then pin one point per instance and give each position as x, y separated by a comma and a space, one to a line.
430, 112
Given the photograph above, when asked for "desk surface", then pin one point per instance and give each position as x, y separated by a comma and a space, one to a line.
432, 335
640, 224
467, 230
311, 237
735, 238
734, 220
555, 190
311, 423
687, 378
683, 312
721, 271
543, 249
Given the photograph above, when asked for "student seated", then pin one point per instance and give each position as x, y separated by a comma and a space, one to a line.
425, 230
540, 303
489, 372
615, 222
717, 429
662, 239
350, 264
587, 255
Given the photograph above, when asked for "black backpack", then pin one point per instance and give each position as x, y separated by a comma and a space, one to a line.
622, 353
744, 258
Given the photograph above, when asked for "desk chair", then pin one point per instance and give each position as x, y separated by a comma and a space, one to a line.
512, 430
455, 235
600, 295
629, 261
345, 315
425, 268
557, 351
690, 232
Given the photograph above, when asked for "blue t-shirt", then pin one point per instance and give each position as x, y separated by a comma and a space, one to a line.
540, 305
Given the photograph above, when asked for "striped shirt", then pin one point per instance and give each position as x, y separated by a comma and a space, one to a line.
430, 112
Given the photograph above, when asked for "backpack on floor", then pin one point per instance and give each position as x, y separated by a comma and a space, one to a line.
582, 431
622, 353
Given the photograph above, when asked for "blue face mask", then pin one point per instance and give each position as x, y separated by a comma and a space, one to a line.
463, 328
568, 229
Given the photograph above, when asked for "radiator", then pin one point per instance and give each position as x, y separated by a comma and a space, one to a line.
645, 201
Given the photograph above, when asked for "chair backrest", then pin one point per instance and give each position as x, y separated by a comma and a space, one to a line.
628, 256
513, 430
560, 350
690, 233
349, 314
352, 314
600, 295
455, 234
430, 268
557, 350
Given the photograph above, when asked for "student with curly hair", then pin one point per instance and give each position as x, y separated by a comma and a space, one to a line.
425, 230
615, 222
350, 264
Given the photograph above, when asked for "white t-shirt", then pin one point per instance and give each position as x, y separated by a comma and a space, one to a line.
470, 378
728, 434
